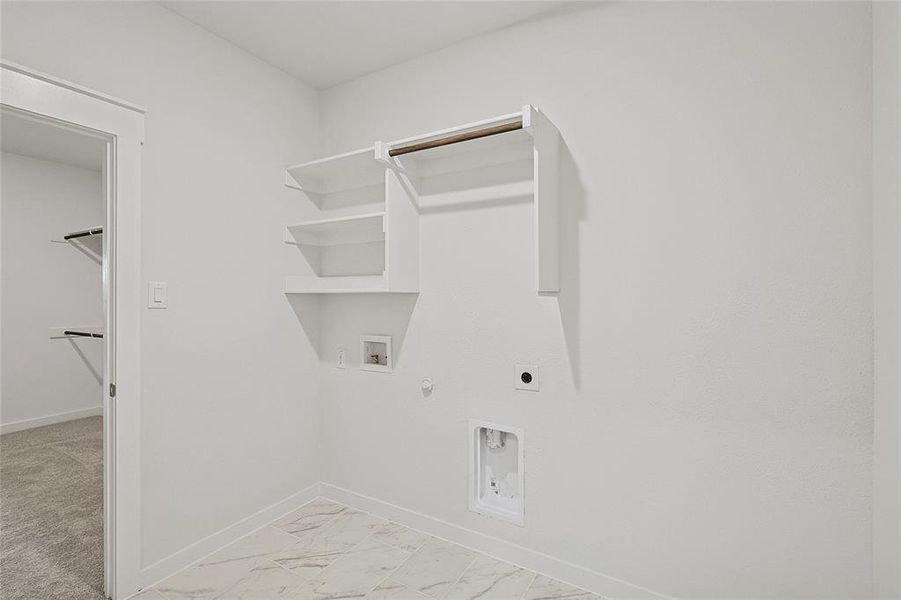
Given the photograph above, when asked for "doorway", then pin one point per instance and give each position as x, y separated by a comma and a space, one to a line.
70, 393
54, 367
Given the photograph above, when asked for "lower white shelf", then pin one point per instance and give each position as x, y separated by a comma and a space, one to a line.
353, 229
355, 284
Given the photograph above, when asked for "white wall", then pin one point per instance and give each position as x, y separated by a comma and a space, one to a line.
47, 285
887, 286
705, 423
230, 378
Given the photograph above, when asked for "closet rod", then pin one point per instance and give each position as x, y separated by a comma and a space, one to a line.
83, 334
84, 233
457, 138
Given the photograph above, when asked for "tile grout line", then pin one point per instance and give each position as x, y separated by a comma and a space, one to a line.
349, 550
397, 568
529, 587
358, 544
297, 537
471, 549
393, 571
201, 560
334, 518
460, 576
270, 561
415, 550
372, 534
428, 537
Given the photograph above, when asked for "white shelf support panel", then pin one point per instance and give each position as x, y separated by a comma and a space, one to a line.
546, 186
402, 234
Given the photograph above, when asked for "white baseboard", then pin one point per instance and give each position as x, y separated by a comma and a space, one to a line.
50, 419
185, 557
606, 586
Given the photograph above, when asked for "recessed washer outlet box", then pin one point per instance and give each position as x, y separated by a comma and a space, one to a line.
375, 353
496, 471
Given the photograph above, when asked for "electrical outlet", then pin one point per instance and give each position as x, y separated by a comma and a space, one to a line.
526, 377
341, 359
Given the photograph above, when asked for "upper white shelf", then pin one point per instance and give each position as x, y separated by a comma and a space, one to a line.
355, 229
338, 173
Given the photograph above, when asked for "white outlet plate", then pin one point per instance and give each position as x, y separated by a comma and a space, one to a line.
526, 377
341, 359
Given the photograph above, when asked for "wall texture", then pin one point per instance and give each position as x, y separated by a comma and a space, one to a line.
705, 423
887, 287
48, 285
230, 379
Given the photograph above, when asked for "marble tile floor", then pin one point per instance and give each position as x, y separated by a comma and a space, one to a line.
325, 550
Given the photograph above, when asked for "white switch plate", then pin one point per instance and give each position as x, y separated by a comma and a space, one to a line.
341, 359
157, 294
526, 377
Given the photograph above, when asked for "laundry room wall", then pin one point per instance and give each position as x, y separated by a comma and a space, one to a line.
704, 425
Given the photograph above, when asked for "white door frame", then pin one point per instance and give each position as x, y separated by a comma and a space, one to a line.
121, 124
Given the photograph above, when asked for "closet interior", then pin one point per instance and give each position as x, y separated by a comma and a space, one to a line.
53, 350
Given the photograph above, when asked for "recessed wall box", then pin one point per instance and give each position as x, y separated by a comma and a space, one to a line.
496, 471
375, 353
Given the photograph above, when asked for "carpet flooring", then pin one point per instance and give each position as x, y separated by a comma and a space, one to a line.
51, 512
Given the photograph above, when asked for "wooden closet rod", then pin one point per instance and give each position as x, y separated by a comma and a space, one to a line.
457, 138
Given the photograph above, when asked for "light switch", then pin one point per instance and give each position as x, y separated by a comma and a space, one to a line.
157, 296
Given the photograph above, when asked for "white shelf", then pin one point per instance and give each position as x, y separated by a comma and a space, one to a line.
360, 284
526, 135
333, 174
537, 139
354, 229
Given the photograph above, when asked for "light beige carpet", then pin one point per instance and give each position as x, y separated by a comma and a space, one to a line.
51, 512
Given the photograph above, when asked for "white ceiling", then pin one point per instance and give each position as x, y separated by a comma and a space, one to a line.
32, 138
327, 43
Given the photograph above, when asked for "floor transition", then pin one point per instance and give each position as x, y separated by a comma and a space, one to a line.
327, 550
51, 512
